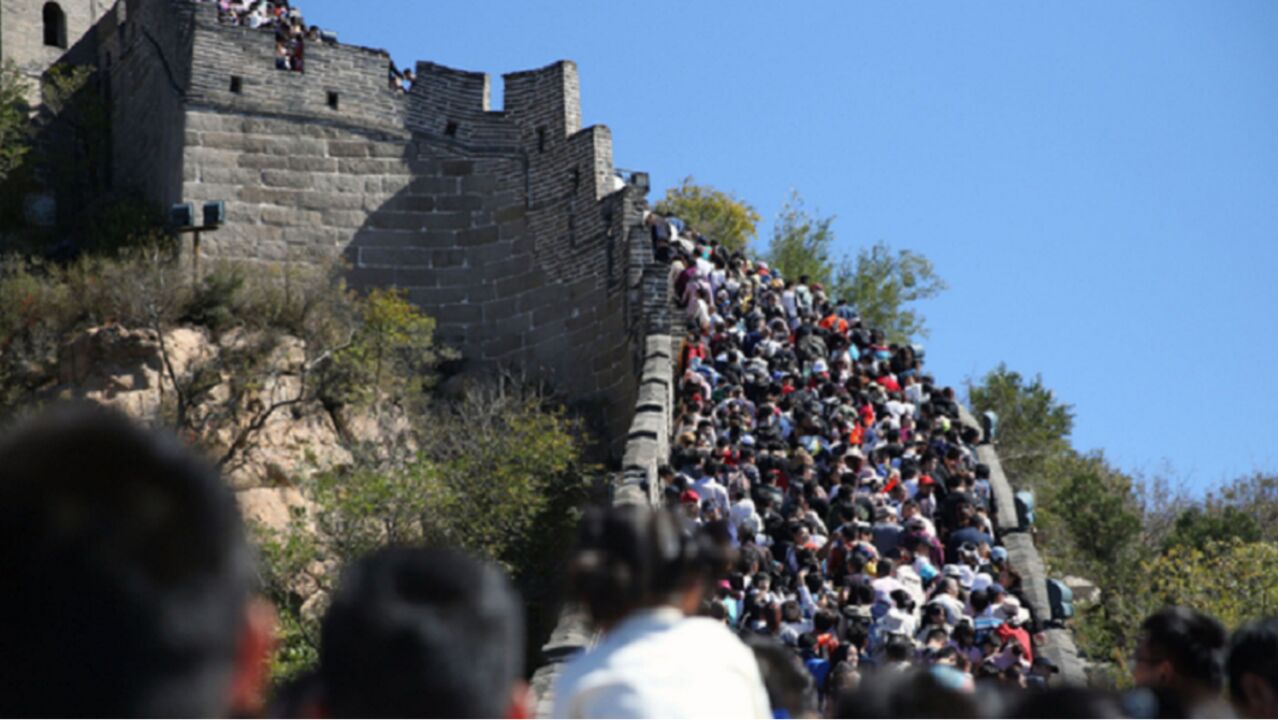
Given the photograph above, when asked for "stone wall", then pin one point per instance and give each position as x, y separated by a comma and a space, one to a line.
508, 226
1058, 644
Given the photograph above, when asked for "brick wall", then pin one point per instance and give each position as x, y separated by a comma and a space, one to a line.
505, 225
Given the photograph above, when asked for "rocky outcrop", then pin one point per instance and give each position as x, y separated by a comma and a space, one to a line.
133, 371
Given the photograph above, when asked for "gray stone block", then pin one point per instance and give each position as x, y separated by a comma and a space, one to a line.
458, 314
478, 236
457, 167
344, 149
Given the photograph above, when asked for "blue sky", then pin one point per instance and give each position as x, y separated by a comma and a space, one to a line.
1096, 181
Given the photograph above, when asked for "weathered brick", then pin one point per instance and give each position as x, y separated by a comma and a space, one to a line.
395, 221
484, 185
478, 236
447, 221
448, 258
415, 203
394, 257
457, 313
502, 345
514, 212
285, 179
458, 167
460, 202
434, 186
341, 149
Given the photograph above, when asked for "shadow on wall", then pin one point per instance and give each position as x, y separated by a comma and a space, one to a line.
460, 235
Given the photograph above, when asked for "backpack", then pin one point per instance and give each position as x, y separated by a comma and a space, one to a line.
1061, 600
1025, 509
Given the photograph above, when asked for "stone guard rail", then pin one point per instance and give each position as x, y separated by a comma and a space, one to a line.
1058, 644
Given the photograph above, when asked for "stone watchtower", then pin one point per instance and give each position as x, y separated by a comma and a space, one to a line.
35, 34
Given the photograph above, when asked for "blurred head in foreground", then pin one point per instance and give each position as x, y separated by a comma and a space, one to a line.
1253, 668
126, 575
416, 632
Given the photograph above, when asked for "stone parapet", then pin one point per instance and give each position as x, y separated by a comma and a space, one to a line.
1057, 643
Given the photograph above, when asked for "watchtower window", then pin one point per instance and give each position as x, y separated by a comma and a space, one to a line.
541, 139
451, 129
55, 26
332, 99
237, 84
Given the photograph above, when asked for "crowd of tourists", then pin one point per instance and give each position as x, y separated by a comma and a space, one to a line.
291, 32
841, 475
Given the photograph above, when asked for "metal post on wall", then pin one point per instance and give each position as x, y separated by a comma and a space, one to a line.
182, 221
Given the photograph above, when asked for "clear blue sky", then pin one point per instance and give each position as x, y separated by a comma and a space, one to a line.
1096, 181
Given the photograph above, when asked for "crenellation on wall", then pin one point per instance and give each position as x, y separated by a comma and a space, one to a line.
547, 99
450, 90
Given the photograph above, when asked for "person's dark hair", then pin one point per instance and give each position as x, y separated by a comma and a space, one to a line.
1066, 702
1254, 649
628, 558
790, 686
902, 600
979, 599
790, 611
126, 571
824, 621
883, 567
912, 694
1192, 641
416, 632
898, 648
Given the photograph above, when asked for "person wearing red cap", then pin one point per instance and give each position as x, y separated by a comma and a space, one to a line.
690, 502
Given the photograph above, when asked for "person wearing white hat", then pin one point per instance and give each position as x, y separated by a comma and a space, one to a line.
1012, 612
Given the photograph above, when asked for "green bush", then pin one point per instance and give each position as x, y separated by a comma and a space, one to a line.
504, 482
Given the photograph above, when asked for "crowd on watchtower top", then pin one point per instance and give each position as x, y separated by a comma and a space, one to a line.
291, 34
823, 547
291, 31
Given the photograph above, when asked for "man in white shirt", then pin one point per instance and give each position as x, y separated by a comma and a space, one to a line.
948, 599
743, 512
652, 660
660, 664
710, 489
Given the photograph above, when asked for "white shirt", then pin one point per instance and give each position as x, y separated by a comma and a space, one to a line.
954, 607
884, 587
787, 302
659, 664
742, 512
709, 489
912, 583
